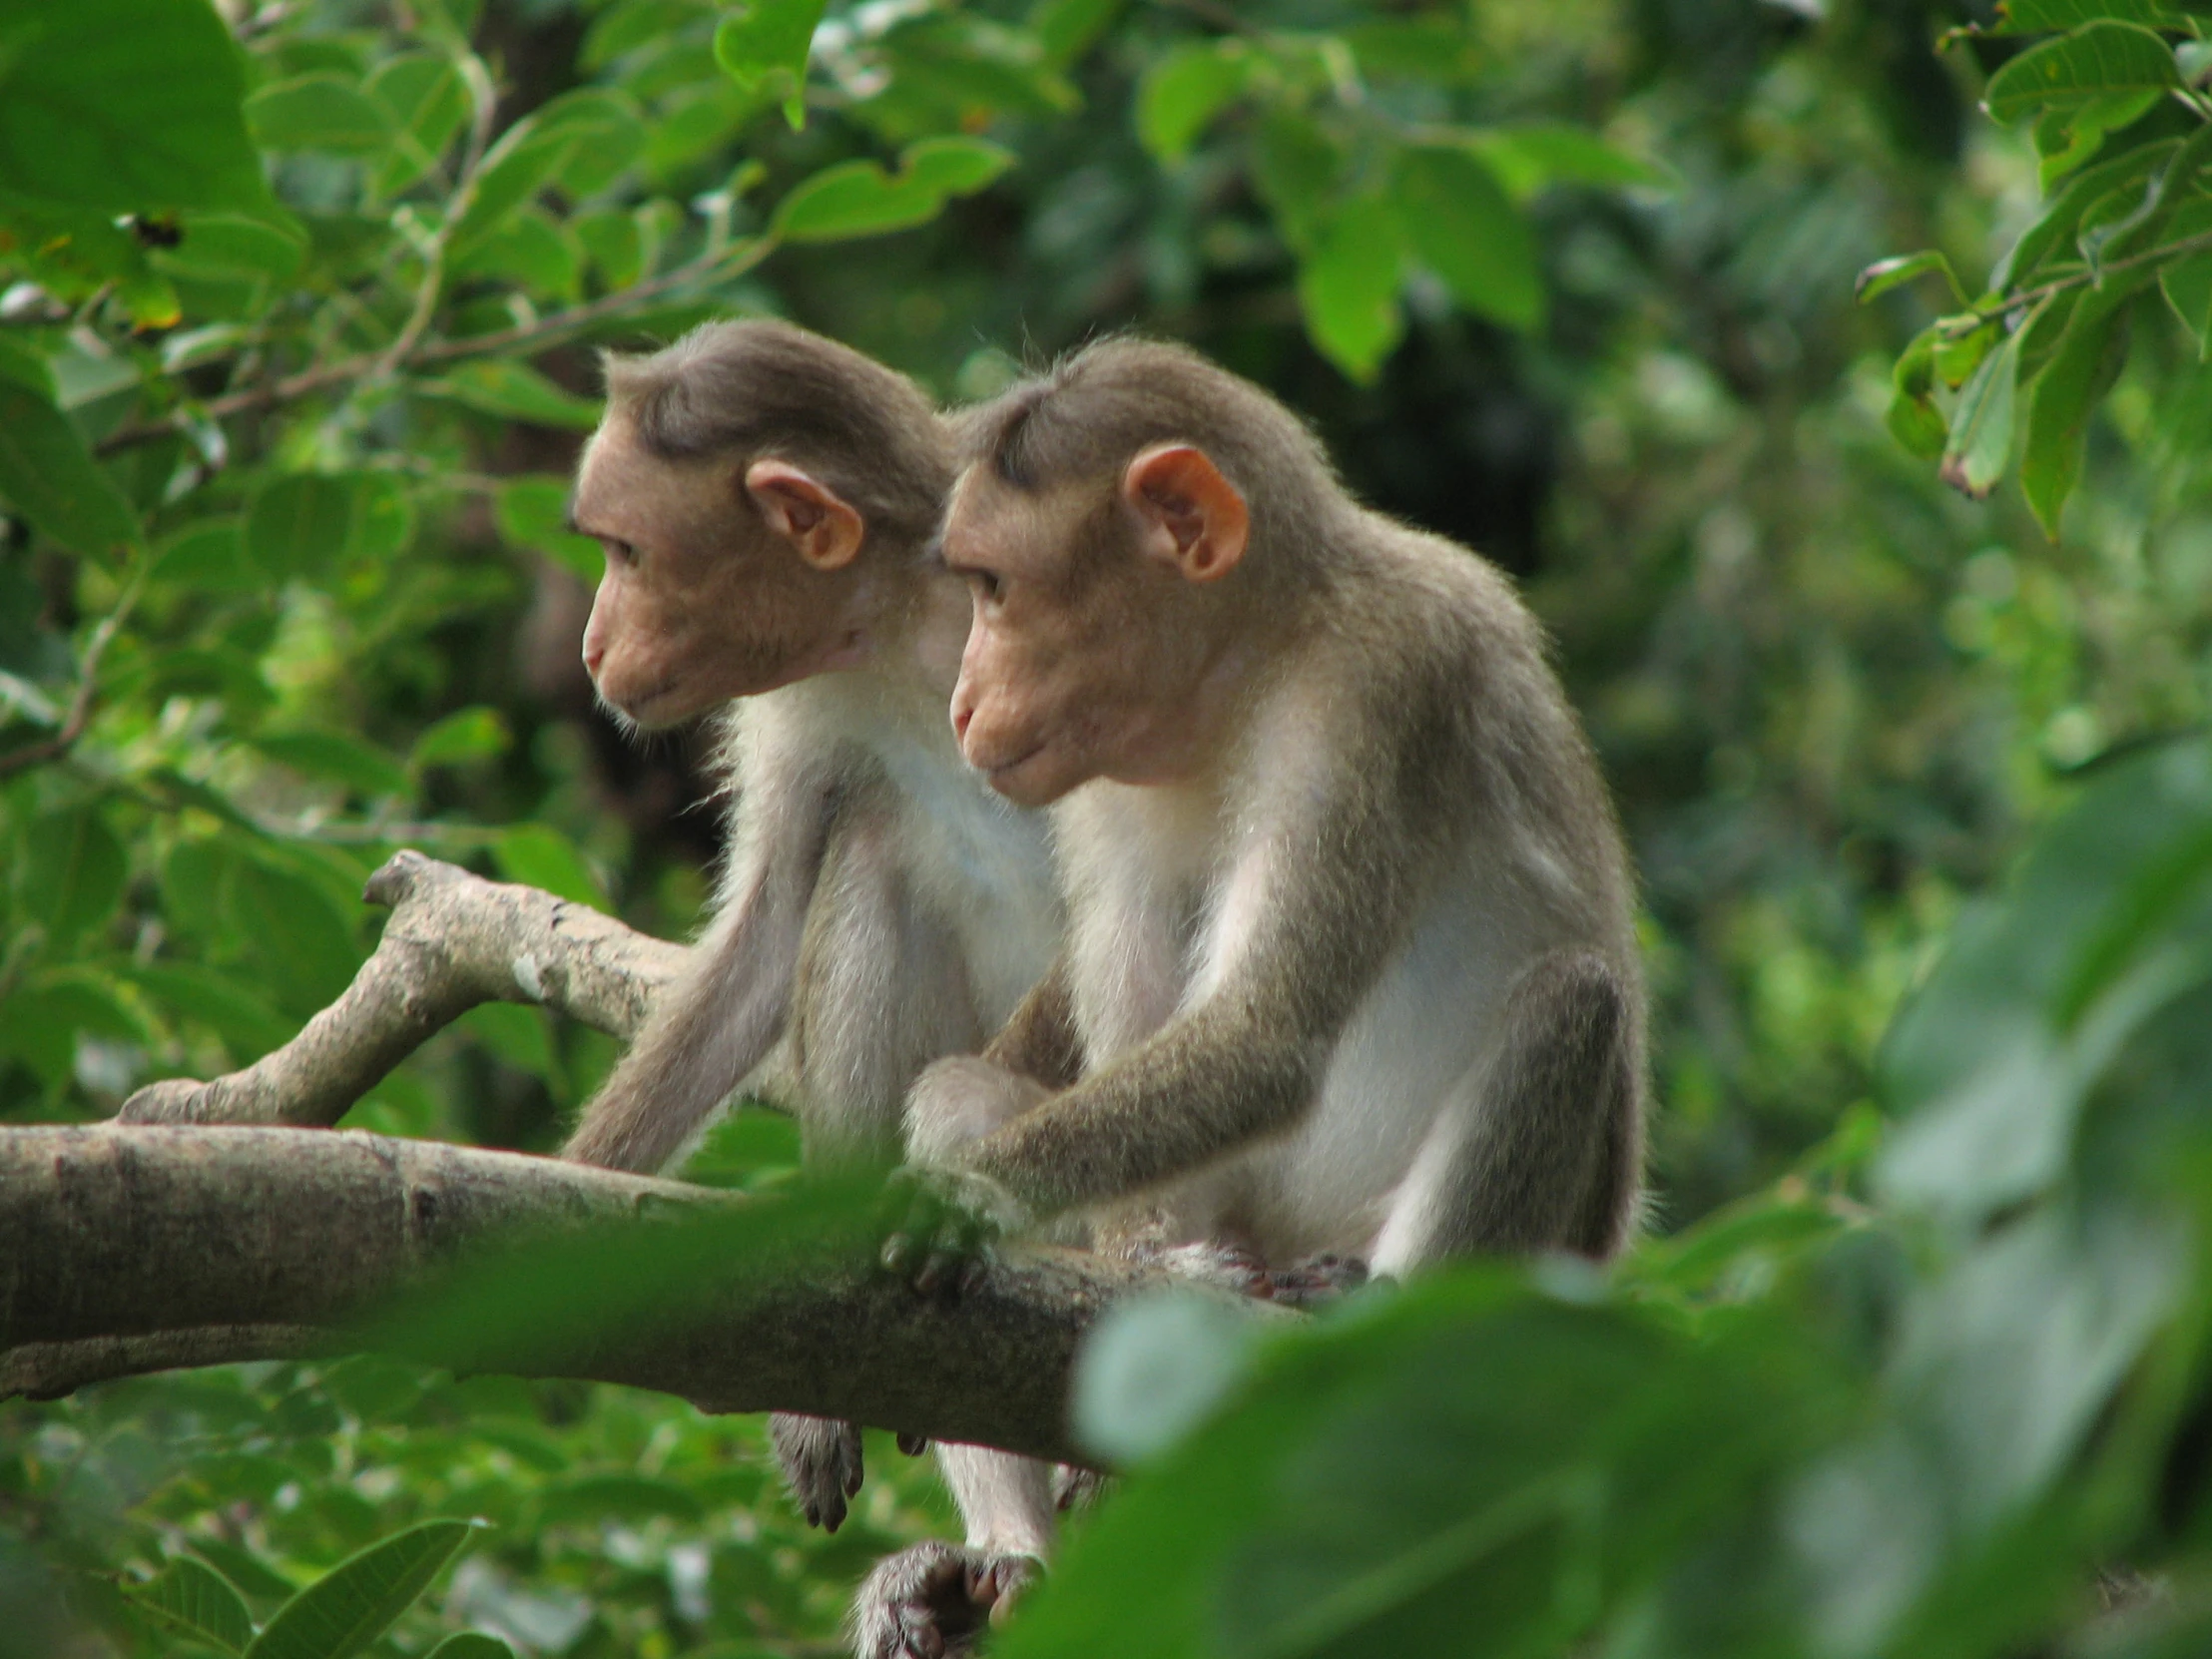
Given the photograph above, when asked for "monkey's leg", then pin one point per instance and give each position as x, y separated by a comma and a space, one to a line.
934, 1600
1512, 1162
880, 991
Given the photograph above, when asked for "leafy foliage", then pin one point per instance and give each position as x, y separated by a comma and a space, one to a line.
296, 305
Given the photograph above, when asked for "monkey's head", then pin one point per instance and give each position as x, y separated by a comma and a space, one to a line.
753, 488
1102, 521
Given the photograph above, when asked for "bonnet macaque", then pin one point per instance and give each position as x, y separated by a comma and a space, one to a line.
1351, 965
766, 499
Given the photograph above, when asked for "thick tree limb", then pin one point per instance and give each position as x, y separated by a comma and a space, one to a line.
453, 941
133, 1249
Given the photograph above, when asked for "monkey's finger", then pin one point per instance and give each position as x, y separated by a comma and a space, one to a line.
901, 1251
976, 1273
914, 1446
940, 1278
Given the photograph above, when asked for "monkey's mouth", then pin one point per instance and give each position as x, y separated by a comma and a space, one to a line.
1002, 772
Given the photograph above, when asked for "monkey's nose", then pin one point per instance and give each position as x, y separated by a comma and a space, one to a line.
961, 719
594, 655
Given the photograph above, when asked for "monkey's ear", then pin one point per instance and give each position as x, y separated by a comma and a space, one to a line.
823, 527
1193, 516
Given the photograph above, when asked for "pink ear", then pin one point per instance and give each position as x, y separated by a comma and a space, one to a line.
1205, 521
821, 525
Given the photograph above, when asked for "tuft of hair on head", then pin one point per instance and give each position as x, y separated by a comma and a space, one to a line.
759, 388
1085, 417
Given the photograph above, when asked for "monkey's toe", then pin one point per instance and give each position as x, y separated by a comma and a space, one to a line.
935, 1600
1317, 1279
820, 1459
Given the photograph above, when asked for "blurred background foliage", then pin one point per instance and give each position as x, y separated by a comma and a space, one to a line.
298, 306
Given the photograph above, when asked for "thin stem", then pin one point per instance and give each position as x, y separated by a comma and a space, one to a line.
79, 714
1967, 322
541, 332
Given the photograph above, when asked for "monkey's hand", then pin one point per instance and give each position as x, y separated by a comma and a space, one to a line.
939, 1225
820, 1459
933, 1600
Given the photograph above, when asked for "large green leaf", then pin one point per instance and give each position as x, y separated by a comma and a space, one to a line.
515, 392
48, 476
2019, 17
302, 522
860, 198
1347, 286
1457, 221
425, 101
197, 1600
357, 1601
1182, 92
319, 112
1982, 426
539, 855
2063, 394
124, 106
1996, 1052
759, 41
69, 875
2101, 59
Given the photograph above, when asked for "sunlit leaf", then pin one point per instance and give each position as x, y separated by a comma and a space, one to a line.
757, 40
1347, 286
177, 141
503, 387
357, 1601
1456, 220
194, 1599
1182, 93
859, 198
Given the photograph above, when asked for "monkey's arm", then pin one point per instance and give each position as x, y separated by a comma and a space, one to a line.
1331, 892
718, 1021
1039, 1038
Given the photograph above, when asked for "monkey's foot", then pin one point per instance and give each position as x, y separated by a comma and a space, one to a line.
933, 1600
1231, 1267
941, 1225
1317, 1279
820, 1459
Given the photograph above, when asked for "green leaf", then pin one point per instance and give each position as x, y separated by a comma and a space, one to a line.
1347, 287
1065, 29
539, 855
1884, 274
194, 1599
70, 877
1182, 93
514, 390
533, 513
300, 939
2100, 60
472, 1644
1435, 48
121, 106
1457, 221
2187, 280
859, 198
2055, 228
1296, 167
521, 163
319, 112
425, 101
357, 1601
2061, 398
221, 1001
1913, 418
302, 522
1526, 158
531, 250
478, 734
269, 247
769, 39
339, 757
2024, 17
1982, 426
603, 130
49, 478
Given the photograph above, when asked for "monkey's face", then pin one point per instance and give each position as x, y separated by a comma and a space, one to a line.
708, 593
1089, 653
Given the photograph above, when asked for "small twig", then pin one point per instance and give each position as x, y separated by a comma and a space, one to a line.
1967, 322
543, 332
483, 98
79, 714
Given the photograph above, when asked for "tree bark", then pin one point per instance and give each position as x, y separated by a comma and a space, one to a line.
453, 941
125, 1250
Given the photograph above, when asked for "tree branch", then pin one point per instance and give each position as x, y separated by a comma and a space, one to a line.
453, 941
127, 1250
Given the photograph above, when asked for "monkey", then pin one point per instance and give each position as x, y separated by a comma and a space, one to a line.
1351, 963
765, 499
